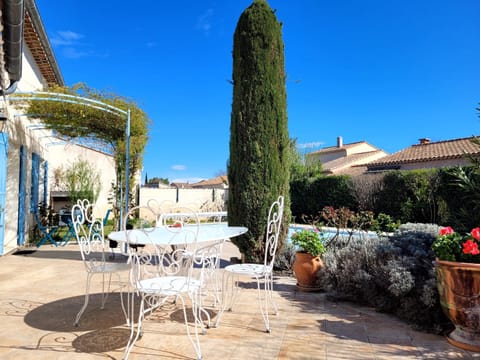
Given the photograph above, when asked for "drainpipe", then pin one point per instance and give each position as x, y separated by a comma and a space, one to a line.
13, 16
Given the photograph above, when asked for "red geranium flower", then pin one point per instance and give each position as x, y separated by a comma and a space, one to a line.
476, 233
446, 230
470, 247
452, 246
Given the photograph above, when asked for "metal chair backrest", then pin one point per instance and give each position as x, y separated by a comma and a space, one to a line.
274, 224
89, 234
166, 241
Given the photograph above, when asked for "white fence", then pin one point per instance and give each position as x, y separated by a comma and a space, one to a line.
197, 199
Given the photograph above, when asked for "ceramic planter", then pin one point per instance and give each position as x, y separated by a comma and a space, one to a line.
306, 268
459, 289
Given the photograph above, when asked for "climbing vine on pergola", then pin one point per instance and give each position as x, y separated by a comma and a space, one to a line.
74, 120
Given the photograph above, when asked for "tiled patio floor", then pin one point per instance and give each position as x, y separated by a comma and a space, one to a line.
40, 293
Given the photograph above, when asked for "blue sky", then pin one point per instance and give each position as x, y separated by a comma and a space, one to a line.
386, 72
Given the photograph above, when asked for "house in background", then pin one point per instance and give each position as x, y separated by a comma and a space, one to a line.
360, 158
427, 154
219, 182
345, 159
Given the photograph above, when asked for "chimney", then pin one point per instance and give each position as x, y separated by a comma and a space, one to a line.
424, 141
339, 141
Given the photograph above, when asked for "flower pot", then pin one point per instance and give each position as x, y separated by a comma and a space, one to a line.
306, 268
459, 289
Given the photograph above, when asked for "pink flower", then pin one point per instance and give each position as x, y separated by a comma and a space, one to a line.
476, 233
470, 247
446, 230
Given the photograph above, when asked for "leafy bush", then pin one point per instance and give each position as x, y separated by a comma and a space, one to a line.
310, 195
460, 190
82, 181
384, 223
309, 241
409, 195
393, 274
442, 196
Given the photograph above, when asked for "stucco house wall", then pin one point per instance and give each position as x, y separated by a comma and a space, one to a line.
20, 132
339, 151
326, 157
434, 164
344, 158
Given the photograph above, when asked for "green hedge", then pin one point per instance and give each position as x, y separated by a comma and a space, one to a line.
309, 196
447, 196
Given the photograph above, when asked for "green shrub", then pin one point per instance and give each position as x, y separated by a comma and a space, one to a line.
384, 223
460, 190
441, 196
409, 195
309, 242
310, 195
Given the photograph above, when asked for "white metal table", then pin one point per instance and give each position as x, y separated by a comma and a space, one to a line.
163, 236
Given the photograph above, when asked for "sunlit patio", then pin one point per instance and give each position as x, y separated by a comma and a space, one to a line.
41, 292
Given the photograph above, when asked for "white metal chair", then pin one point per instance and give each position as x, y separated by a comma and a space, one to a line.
89, 233
213, 251
161, 272
262, 273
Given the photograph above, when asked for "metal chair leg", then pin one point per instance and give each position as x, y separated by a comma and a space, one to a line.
85, 303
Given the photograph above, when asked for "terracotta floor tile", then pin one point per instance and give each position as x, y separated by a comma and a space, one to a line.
41, 293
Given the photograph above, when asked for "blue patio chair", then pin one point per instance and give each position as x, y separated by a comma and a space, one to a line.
47, 232
69, 235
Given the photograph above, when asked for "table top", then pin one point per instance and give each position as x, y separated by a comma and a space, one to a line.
166, 236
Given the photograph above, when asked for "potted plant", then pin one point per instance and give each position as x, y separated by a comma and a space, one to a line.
458, 280
307, 258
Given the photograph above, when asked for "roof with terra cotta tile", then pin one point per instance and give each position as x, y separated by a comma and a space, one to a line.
348, 161
37, 41
430, 151
219, 180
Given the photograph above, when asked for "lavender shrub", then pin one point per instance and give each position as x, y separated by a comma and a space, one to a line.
393, 274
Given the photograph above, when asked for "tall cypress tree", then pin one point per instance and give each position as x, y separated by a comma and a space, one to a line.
258, 169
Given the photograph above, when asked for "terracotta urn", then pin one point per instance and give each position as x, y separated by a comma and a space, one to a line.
306, 268
459, 289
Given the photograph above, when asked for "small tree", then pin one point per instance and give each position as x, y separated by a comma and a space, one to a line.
299, 169
158, 180
82, 181
258, 169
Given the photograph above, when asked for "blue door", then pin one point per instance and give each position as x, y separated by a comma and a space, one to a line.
3, 184
45, 183
22, 196
34, 190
